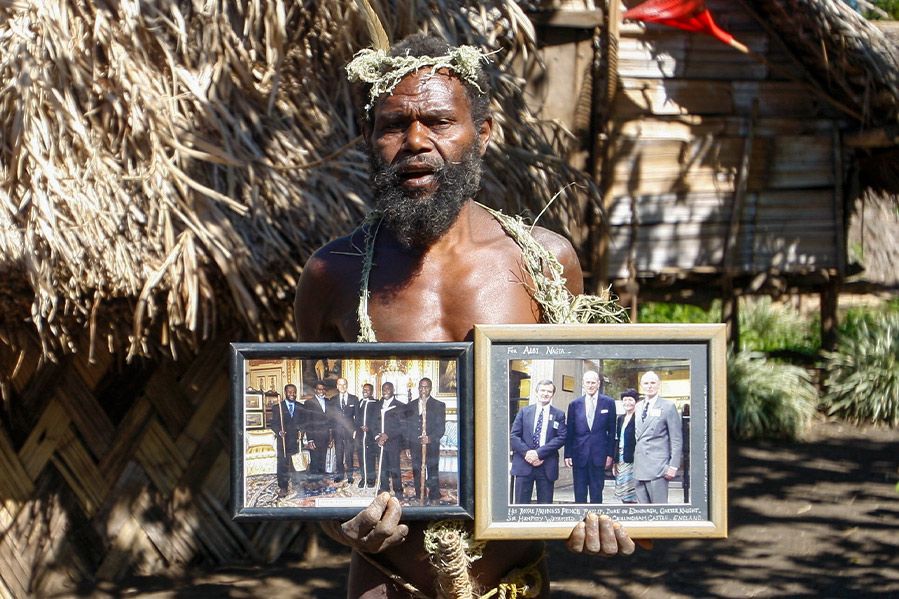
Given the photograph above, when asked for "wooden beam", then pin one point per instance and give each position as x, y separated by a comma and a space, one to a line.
569, 19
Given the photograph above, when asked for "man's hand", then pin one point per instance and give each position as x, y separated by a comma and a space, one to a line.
531, 456
282, 434
614, 469
381, 439
374, 529
670, 473
609, 462
568, 462
599, 535
424, 439
310, 444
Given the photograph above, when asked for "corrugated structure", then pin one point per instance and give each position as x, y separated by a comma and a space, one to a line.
722, 170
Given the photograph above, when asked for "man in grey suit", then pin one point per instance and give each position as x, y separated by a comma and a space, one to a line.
659, 448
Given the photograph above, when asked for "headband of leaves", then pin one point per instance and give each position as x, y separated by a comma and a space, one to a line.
384, 72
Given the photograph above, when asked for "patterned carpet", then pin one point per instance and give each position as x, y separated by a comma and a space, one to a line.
323, 491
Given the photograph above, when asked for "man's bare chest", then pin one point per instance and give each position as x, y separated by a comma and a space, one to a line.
443, 300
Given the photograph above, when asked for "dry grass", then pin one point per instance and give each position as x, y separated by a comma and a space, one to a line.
169, 166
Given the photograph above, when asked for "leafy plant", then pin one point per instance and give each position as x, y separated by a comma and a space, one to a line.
862, 383
768, 327
656, 312
767, 398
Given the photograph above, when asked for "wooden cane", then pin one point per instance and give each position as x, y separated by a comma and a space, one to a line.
424, 454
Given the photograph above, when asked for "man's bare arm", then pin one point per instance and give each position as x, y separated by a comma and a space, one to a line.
310, 305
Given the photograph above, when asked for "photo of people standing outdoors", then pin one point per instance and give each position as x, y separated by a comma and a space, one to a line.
599, 431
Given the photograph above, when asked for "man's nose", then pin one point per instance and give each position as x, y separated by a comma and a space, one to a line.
417, 139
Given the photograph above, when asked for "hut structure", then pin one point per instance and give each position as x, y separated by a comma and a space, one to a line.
726, 173
167, 167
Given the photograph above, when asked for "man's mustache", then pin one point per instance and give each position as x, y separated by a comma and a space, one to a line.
413, 163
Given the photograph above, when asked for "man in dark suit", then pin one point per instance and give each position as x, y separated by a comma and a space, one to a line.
590, 441
538, 433
288, 419
345, 431
321, 414
368, 425
426, 440
659, 448
390, 439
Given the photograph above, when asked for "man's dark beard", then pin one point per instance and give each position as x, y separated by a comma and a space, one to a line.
416, 219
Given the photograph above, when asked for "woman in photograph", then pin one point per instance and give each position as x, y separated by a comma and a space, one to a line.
625, 440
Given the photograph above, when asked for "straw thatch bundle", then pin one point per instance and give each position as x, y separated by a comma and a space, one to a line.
848, 55
169, 166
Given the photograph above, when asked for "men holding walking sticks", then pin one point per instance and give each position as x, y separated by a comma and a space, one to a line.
425, 425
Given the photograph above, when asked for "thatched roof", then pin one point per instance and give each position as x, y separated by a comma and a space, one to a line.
168, 168
848, 56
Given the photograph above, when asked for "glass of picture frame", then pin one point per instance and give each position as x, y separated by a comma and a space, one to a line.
328, 453
681, 424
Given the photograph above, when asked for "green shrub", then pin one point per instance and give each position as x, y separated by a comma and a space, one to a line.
767, 399
769, 327
862, 382
661, 312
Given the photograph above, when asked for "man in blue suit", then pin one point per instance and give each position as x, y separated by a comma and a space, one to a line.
590, 442
538, 434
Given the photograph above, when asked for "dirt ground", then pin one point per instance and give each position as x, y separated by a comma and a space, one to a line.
818, 518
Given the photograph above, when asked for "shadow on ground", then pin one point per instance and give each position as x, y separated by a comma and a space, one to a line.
818, 518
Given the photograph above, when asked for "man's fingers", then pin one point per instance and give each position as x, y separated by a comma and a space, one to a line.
592, 542
607, 536
625, 544
644, 544
388, 531
363, 523
575, 541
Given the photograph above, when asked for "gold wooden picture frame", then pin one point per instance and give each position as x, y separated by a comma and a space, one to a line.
513, 363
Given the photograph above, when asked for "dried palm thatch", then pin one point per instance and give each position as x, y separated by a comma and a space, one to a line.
168, 166
851, 58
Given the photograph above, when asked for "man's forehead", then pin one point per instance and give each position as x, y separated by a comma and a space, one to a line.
425, 89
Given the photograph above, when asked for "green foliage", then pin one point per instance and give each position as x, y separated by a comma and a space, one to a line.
768, 399
862, 383
659, 312
891, 7
768, 327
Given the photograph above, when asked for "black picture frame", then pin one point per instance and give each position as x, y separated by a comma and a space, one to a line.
254, 458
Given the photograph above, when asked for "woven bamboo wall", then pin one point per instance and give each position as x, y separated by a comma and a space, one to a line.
113, 469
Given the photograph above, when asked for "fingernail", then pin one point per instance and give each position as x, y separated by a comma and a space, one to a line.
604, 517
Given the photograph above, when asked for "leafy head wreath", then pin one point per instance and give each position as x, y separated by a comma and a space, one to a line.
383, 72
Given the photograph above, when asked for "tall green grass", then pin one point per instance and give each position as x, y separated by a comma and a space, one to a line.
862, 381
767, 399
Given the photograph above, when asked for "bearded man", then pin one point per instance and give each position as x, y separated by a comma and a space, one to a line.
432, 264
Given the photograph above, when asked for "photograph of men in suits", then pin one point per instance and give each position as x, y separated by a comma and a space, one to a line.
590, 440
321, 414
426, 440
390, 440
659, 448
288, 420
345, 431
538, 433
368, 424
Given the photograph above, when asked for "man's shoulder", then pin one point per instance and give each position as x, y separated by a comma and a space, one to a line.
337, 255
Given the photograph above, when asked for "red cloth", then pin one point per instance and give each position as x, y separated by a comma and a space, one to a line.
689, 15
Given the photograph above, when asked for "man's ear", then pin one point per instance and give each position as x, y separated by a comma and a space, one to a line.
484, 134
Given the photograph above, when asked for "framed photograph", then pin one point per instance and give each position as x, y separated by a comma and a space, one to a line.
253, 399
447, 379
340, 422
640, 434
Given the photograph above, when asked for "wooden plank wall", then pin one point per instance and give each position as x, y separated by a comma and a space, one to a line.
111, 470
685, 108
